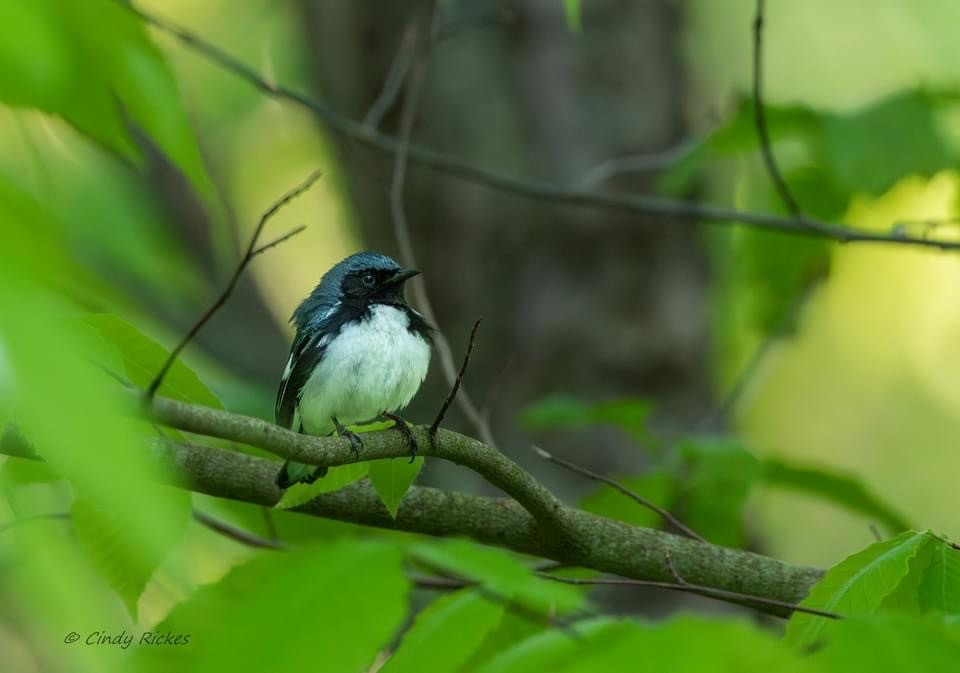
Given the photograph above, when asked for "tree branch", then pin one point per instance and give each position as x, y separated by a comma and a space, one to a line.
603, 544
331, 451
532, 188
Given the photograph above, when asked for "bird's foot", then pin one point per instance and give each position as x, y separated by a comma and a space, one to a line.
355, 442
404, 428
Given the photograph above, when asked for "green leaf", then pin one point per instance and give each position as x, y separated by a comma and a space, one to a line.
939, 589
93, 64
683, 645
559, 411
573, 15
458, 623
857, 585
143, 357
720, 474
330, 607
513, 628
658, 486
861, 163
499, 572
335, 479
392, 479
120, 559
841, 489
887, 644
18, 471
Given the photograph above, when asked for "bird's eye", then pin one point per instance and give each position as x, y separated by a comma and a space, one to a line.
368, 280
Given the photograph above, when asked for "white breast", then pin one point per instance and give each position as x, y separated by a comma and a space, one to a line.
370, 367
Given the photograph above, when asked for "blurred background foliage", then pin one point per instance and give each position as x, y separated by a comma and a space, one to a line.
778, 392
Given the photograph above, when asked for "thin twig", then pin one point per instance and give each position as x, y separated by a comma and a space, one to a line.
395, 78
638, 163
277, 241
228, 290
639, 499
875, 532
719, 594
457, 382
237, 534
532, 188
404, 242
760, 118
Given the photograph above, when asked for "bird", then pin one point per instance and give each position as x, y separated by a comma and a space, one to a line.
360, 353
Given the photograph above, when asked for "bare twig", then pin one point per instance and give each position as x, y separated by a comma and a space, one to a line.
395, 78
719, 594
760, 118
457, 382
529, 187
875, 532
238, 534
637, 163
280, 239
639, 499
250, 253
405, 244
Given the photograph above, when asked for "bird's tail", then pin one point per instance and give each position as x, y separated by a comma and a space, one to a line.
298, 473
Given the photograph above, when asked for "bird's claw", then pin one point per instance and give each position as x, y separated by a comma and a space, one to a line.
401, 425
355, 442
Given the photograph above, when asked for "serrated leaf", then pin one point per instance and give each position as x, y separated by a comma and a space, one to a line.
143, 357
118, 557
842, 489
549, 650
335, 479
659, 487
392, 479
939, 588
330, 607
857, 585
458, 622
500, 573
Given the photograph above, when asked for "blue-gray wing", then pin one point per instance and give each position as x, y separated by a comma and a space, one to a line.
305, 355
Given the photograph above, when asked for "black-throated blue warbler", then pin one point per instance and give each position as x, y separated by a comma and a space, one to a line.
360, 353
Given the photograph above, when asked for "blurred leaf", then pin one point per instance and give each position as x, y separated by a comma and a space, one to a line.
17, 471
560, 411
720, 474
657, 486
335, 605
868, 151
335, 479
857, 585
730, 646
842, 489
939, 588
887, 644
550, 650
572, 15
89, 438
392, 479
458, 623
143, 357
120, 560
93, 64
499, 572
512, 629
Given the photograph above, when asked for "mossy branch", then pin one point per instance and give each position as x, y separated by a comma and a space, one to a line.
533, 521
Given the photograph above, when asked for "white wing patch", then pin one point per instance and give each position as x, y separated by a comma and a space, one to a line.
372, 366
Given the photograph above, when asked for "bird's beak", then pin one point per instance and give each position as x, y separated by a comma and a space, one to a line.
403, 275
